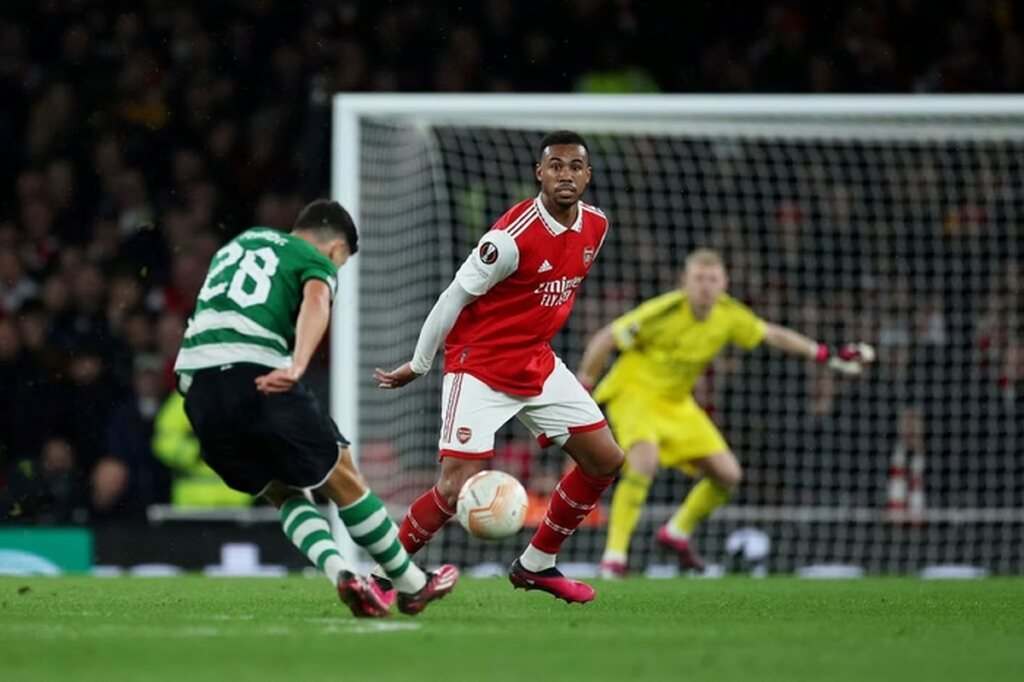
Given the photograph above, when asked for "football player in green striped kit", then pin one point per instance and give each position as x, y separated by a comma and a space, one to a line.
260, 315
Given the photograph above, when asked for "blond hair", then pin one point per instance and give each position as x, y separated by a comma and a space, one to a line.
704, 257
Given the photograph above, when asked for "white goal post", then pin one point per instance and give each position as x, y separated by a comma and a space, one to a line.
895, 218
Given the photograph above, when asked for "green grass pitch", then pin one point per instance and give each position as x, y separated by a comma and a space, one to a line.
235, 630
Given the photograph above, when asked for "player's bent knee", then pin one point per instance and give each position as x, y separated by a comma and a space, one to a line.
608, 462
737, 477
347, 476
454, 474
345, 484
278, 493
347, 471
615, 461
643, 459
730, 478
596, 452
644, 467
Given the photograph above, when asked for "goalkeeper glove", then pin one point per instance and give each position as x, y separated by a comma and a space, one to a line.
848, 359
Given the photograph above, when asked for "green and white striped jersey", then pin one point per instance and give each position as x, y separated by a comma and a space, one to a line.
250, 300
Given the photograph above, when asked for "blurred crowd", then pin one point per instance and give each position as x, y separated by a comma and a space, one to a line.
137, 137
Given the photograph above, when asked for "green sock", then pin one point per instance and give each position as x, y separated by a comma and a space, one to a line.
308, 530
372, 529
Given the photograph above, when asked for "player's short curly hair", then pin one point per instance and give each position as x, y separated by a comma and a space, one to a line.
328, 219
562, 137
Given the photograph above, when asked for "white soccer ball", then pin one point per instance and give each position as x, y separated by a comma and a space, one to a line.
492, 505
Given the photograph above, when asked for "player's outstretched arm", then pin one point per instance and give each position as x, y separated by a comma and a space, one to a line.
847, 359
314, 314
435, 328
595, 357
496, 257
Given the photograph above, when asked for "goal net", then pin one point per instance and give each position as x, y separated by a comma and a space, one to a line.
895, 221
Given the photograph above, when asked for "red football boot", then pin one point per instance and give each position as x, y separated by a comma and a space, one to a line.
384, 589
611, 570
687, 557
359, 595
439, 583
551, 581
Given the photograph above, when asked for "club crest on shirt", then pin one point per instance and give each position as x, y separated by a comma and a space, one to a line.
488, 253
588, 255
464, 433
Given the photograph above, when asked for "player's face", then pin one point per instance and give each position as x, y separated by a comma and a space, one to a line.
703, 284
563, 173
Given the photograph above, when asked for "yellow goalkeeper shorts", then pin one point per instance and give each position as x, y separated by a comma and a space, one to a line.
682, 430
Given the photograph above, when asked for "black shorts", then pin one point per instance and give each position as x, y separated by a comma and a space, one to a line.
251, 439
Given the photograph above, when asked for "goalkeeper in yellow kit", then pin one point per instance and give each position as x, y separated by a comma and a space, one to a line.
664, 345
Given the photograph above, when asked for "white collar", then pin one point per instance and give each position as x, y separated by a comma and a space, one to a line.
556, 228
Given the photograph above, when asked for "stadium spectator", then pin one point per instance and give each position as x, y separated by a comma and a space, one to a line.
129, 477
175, 444
89, 395
905, 495
48, 489
15, 284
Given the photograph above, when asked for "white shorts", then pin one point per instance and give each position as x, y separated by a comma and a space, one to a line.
472, 412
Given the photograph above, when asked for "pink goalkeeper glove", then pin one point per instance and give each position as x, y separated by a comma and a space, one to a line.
848, 359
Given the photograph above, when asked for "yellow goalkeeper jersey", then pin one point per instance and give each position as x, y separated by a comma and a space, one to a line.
664, 348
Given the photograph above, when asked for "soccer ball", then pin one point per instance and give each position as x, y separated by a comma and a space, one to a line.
492, 505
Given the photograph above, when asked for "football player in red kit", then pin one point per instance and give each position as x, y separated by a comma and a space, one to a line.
496, 320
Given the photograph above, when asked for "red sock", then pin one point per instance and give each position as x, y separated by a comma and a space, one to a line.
426, 515
575, 495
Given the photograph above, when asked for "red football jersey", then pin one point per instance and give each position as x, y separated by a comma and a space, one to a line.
525, 270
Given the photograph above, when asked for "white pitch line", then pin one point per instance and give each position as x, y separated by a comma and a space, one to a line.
142, 631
